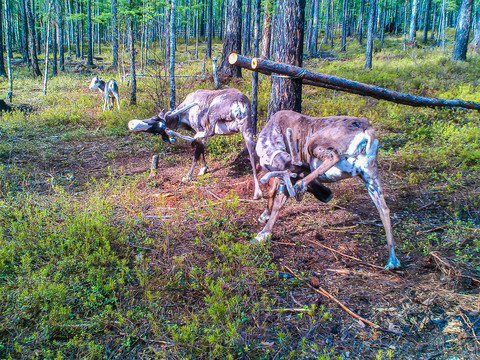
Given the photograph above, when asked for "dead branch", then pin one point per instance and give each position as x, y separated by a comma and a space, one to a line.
326, 294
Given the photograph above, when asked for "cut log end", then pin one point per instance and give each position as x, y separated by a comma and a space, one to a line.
232, 58
254, 63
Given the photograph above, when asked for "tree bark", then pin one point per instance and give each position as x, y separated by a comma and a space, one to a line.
463, 30
327, 19
314, 36
256, 53
426, 21
267, 28
33, 41
233, 38
133, 76
89, 33
370, 34
288, 44
343, 42
246, 27
2, 62
114, 35
413, 22
208, 53
476, 33
54, 52
24, 33
8, 44
171, 70
328, 81
60, 32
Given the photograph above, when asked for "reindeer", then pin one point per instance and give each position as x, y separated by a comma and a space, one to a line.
207, 113
109, 90
313, 151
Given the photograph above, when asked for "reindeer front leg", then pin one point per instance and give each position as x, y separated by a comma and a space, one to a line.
199, 150
330, 158
376, 194
274, 204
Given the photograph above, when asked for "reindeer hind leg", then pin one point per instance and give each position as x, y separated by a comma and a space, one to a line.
199, 149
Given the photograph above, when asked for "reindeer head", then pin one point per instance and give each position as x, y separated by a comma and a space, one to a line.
154, 125
95, 83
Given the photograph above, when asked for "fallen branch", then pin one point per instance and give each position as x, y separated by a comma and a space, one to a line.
326, 294
310, 77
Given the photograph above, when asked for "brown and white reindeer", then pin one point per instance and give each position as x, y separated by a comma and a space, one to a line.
313, 151
206, 113
108, 89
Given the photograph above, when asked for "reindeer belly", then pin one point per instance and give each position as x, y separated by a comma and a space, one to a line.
222, 128
344, 169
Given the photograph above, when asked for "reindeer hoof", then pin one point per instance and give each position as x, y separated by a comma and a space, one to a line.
186, 179
393, 264
203, 170
262, 219
262, 237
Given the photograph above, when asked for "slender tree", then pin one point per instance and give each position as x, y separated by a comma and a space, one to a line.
327, 23
114, 35
256, 53
133, 76
426, 22
476, 33
314, 37
89, 33
343, 43
32, 40
60, 32
2, 63
267, 26
208, 53
24, 32
233, 38
462, 31
288, 45
246, 27
370, 34
171, 70
8, 45
413, 22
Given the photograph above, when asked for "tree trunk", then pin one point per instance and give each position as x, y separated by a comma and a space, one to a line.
432, 34
171, 69
2, 63
47, 37
343, 43
208, 53
426, 21
60, 32
462, 31
383, 15
89, 33
54, 52
133, 76
256, 53
114, 35
314, 36
33, 41
8, 44
413, 22
78, 53
371, 34
267, 28
233, 38
476, 34
24, 33
246, 27
288, 44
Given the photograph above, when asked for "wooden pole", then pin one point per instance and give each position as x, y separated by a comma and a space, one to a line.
337, 83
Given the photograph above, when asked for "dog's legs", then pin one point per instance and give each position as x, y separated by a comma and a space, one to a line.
275, 203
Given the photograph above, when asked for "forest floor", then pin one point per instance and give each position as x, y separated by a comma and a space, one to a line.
99, 260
